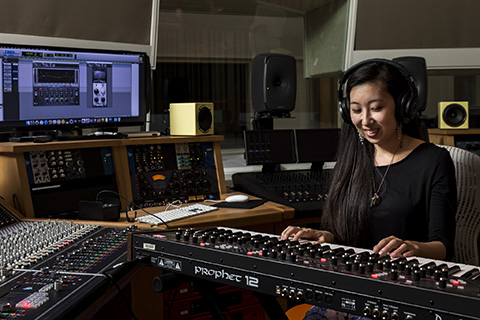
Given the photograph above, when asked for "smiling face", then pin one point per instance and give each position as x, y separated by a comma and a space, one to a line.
372, 110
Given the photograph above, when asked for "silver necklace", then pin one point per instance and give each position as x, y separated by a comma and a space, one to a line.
375, 201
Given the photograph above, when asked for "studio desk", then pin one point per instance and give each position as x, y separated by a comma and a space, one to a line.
136, 283
32, 190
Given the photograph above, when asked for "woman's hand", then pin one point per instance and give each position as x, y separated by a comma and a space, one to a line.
296, 233
396, 248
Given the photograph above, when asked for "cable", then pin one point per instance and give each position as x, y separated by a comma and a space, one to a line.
131, 203
114, 282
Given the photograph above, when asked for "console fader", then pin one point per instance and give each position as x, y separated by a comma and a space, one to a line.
163, 173
53, 269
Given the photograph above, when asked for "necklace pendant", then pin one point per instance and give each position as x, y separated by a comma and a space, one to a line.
375, 200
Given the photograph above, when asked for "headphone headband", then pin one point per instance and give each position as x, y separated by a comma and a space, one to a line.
408, 101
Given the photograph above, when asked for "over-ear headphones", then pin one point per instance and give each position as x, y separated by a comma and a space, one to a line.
407, 101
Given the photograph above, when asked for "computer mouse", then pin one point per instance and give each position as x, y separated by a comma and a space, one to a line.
237, 198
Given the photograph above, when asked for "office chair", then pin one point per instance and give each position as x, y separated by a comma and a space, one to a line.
467, 172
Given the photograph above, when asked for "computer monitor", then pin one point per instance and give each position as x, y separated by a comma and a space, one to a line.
316, 145
273, 147
268, 147
54, 88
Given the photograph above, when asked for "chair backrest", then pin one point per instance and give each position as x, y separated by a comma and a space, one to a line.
467, 171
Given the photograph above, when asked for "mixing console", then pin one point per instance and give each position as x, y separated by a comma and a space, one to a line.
51, 269
303, 190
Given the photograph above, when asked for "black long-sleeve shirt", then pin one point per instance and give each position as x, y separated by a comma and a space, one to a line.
419, 199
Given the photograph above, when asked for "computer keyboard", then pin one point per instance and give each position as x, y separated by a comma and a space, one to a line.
176, 214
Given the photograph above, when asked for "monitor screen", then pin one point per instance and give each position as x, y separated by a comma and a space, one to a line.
316, 145
58, 88
291, 146
269, 147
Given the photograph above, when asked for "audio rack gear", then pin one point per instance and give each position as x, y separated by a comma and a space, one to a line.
342, 278
54, 269
303, 190
64, 177
163, 173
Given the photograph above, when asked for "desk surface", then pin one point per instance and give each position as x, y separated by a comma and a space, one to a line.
267, 214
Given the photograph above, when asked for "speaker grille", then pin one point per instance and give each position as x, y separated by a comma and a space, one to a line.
205, 118
454, 115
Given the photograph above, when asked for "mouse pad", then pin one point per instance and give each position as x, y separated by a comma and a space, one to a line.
250, 204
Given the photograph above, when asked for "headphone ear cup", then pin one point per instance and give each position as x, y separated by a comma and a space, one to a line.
343, 106
407, 107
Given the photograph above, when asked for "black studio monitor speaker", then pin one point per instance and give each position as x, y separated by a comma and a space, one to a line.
191, 118
453, 115
274, 83
417, 68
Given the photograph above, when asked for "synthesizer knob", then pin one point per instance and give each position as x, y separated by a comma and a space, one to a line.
401, 265
299, 296
292, 257
334, 260
430, 269
291, 294
369, 267
178, 235
356, 265
408, 270
367, 312
299, 250
380, 265
394, 274
376, 313
442, 283
395, 316
212, 238
290, 249
416, 275
423, 272
348, 266
195, 238
361, 268
385, 315
445, 272
388, 264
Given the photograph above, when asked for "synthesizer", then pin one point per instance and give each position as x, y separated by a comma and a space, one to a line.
303, 190
342, 278
51, 269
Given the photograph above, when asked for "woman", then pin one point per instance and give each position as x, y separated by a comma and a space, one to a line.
390, 191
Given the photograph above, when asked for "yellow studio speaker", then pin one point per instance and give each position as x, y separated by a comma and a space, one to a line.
191, 119
453, 115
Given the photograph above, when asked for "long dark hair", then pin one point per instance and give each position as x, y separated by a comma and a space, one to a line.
346, 211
